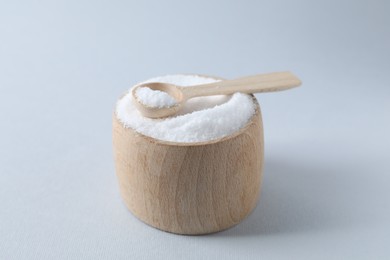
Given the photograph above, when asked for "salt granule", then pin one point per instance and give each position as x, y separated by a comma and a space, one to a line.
201, 119
154, 98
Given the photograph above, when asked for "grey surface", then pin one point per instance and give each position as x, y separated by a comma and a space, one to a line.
63, 64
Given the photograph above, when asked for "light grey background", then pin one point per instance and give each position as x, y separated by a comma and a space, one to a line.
63, 64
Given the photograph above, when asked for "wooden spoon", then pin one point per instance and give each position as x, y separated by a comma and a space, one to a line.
271, 82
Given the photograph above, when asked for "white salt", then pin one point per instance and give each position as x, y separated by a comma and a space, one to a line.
154, 98
201, 119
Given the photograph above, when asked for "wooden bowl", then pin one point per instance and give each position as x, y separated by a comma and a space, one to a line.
190, 188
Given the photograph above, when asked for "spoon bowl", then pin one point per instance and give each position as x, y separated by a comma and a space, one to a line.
157, 112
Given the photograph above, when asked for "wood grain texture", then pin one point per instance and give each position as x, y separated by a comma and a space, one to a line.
190, 188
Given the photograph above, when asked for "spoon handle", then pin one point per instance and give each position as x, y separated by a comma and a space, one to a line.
271, 82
